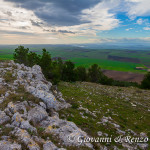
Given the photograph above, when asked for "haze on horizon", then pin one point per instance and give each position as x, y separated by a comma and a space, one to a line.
74, 21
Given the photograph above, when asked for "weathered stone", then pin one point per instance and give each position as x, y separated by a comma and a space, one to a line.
1, 80
20, 74
26, 125
25, 138
23, 113
65, 131
143, 146
22, 135
49, 146
37, 114
11, 107
31, 89
17, 119
43, 87
33, 146
99, 133
43, 105
3, 117
5, 145
5, 138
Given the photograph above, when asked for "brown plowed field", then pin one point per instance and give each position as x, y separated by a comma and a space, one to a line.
124, 76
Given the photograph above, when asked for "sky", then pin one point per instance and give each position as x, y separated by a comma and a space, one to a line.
74, 21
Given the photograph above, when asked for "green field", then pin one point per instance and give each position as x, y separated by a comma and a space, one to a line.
87, 57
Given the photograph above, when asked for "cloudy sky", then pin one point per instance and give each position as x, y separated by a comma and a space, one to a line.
74, 21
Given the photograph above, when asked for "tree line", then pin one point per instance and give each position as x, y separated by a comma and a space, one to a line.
57, 70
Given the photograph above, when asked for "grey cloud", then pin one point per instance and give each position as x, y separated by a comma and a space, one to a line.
65, 31
36, 23
57, 12
24, 27
59, 31
8, 13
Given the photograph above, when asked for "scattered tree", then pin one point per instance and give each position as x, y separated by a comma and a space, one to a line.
33, 59
68, 73
81, 74
46, 63
21, 55
94, 73
57, 70
146, 81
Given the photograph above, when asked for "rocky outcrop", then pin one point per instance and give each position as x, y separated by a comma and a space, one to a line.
28, 112
3, 117
5, 145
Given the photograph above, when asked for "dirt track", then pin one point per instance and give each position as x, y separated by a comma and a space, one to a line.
124, 76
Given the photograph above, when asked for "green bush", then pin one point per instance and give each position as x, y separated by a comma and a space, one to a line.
46, 63
21, 55
68, 73
57, 70
33, 59
81, 74
124, 83
94, 73
146, 81
106, 81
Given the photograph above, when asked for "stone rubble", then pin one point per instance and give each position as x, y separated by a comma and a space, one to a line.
25, 117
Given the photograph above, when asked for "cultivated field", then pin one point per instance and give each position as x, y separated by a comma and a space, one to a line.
108, 59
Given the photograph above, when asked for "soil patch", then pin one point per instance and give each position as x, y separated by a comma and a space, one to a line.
124, 76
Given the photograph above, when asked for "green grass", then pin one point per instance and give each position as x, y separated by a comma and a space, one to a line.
87, 57
114, 102
108, 64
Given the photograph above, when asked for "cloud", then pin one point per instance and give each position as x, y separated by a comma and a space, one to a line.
146, 28
129, 29
17, 19
138, 8
62, 13
69, 20
139, 21
14, 32
57, 12
36, 23
100, 17
67, 17
123, 40
59, 31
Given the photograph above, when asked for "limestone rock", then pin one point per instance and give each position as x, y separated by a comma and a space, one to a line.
5, 145
65, 130
29, 118
3, 117
37, 114
49, 146
26, 125
17, 119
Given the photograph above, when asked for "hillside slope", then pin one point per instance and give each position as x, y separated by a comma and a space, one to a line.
35, 115
28, 112
108, 111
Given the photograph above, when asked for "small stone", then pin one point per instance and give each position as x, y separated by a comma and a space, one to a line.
99, 133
